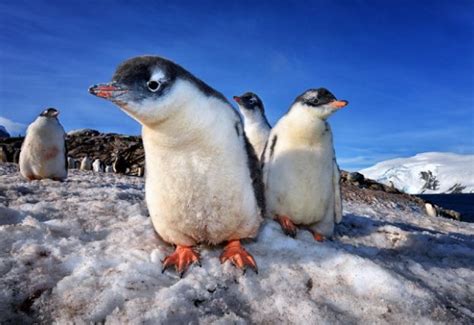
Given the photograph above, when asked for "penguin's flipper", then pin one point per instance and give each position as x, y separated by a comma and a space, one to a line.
65, 154
337, 194
287, 226
181, 258
234, 252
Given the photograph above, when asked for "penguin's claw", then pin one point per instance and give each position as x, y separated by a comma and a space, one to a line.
287, 226
234, 252
318, 237
181, 258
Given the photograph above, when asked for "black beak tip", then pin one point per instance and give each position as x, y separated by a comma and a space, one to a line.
92, 89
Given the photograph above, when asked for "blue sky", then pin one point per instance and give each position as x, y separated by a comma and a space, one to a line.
406, 67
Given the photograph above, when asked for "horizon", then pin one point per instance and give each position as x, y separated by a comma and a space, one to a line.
407, 69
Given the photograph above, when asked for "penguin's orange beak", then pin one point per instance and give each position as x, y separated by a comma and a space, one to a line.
339, 103
237, 99
108, 91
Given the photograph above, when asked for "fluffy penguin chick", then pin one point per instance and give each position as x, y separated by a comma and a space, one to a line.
256, 126
203, 184
43, 153
299, 168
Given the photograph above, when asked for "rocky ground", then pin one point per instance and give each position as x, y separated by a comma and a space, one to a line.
84, 251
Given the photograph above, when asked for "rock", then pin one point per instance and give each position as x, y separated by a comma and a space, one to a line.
355, 177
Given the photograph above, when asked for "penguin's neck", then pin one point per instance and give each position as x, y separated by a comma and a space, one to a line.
255, 119
304, 123
191, 124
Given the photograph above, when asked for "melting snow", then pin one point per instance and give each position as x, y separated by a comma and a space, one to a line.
84, 251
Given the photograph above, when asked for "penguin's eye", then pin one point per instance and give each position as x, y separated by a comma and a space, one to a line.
153, 85
315, 101
252, 100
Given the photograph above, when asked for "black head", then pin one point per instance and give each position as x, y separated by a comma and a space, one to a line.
250, 101
50, 112
146, 86
321, 101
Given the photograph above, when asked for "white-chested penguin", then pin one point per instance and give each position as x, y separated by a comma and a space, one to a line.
203, 184
43, 152
256, 126
300, 172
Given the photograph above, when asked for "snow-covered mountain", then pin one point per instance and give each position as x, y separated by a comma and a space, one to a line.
426, 173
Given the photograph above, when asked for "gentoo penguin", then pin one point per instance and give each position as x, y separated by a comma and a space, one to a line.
71, 163
203, 184
256, 126
299, 167
43, 153
109, 169
3, 154
119, 164
97, 166
86, 163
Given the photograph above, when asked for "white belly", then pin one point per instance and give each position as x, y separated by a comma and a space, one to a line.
257, 136
42, 154
200, 195
300, 185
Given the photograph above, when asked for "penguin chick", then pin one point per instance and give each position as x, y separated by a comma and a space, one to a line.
256, 126
300, 171
203, 183
43, 152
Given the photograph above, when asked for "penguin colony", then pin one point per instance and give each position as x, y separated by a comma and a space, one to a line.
211, 176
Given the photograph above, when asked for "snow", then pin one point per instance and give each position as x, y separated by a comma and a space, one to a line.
84, 251
449, 169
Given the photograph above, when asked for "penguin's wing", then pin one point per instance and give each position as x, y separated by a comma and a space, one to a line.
254, 168
267, 154
337, 193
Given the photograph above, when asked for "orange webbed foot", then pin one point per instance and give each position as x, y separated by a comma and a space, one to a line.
234, 252
181, 258
318, 237
287, 226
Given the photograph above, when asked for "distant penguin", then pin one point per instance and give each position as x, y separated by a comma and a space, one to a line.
86, 163
71, 163
97, 166
109, 169
430, 209
77, 164
300, 171
203, 184
16, 156
3, 154
43, 153
141, 171
256, 126
120, 165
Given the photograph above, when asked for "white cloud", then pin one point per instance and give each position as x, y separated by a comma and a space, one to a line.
13, 128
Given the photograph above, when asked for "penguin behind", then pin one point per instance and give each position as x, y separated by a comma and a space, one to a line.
299, 167
43, 153
203, 184
256, 126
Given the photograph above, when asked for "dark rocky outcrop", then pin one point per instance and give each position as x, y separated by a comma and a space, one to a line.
127, 153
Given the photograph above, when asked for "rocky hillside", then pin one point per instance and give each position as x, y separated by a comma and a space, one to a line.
107, 146
91, 143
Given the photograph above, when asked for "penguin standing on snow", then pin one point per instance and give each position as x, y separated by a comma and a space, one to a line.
256, 126
203, 183
43, 153
299, 167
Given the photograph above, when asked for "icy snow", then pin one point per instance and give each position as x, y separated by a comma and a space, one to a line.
448, 168
84, 251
